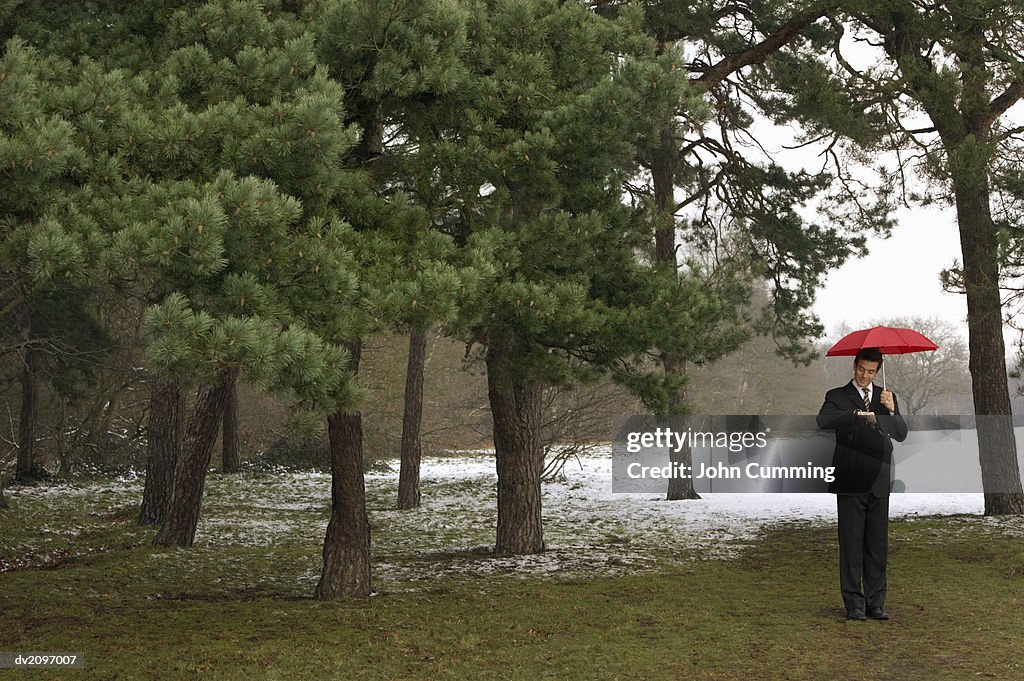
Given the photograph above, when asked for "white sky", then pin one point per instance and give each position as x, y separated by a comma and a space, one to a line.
924, 242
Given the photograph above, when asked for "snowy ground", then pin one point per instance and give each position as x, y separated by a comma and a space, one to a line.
589, 531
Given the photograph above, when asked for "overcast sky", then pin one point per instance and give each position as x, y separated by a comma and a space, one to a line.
924, 242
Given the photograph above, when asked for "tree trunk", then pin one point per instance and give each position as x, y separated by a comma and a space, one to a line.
679, 488
29, 415
997, 447
965, 126
231, 460
663, 172
166, 423
179, 526
346, 570
664, 165
516, 407
409, 472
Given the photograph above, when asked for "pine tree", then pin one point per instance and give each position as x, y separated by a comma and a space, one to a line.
227, 92
555, 108
715, 202
941, 83
213, 166
390, 58
251, 77
44, 246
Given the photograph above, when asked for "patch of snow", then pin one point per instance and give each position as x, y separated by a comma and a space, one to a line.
589, 531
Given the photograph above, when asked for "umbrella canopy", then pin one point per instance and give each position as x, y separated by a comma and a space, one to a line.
889, 340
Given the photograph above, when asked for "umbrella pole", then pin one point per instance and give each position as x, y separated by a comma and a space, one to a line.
883, 375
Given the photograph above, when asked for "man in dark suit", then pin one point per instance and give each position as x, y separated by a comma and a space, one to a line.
865, 419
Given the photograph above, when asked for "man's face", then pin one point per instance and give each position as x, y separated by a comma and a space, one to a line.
864, 372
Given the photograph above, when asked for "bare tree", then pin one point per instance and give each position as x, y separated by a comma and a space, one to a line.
576, 420
922, 379
756, 380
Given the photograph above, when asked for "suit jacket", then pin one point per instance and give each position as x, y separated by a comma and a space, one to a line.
857, 470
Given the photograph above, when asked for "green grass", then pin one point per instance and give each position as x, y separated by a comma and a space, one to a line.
243, 612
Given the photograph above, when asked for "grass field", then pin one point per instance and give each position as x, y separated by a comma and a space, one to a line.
77, 575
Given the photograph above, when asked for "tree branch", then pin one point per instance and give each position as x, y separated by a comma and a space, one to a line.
716, 73
1010, 96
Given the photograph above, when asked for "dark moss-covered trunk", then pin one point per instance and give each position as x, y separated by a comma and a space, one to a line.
182, 518
409, 471
965, 128
166, 426
997, 447
346, 568
516, 406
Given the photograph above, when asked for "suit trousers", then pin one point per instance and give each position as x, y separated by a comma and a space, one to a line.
863, 549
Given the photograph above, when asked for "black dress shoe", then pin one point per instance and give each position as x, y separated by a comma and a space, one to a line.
877, 614
856, 614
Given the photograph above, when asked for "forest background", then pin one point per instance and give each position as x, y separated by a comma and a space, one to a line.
203, 195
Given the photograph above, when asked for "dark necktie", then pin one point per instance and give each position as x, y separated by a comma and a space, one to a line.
867, 400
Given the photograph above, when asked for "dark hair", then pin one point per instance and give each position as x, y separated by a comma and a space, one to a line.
869, 354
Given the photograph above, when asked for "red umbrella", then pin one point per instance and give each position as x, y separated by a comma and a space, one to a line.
887, 339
